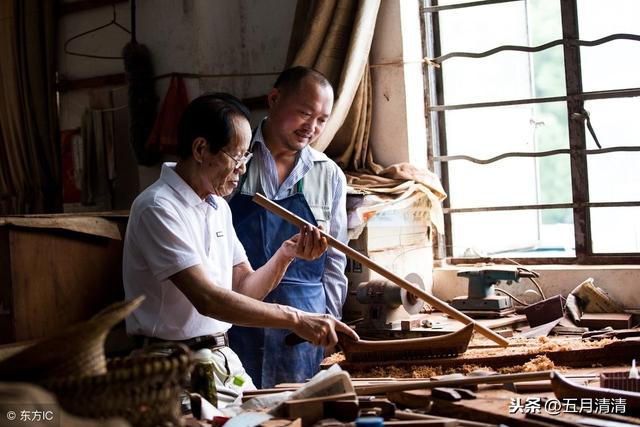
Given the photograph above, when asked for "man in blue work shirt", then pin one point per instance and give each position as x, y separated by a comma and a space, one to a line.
305, 181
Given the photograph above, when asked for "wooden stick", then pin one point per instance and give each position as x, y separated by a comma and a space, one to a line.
405, 284
428, 384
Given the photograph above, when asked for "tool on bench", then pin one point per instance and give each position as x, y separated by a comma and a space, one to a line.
355, 255
389, 311
481, 300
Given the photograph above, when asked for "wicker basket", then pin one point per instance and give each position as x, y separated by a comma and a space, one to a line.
75, 351
144, 389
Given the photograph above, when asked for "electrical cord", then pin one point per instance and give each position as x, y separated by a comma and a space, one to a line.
533, 274
512, 297
535, 282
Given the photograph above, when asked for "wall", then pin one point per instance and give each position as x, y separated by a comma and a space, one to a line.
398, 128
218, 37
189, 36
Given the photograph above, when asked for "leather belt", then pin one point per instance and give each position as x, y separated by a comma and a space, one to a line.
196, 343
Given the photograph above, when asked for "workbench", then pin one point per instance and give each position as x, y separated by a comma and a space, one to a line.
496, 404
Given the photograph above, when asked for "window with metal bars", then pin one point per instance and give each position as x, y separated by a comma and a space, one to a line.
533, 110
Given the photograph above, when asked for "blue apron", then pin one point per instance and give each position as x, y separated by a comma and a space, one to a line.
265, 357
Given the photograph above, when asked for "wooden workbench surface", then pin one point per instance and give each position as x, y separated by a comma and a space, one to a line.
498, 405
563, 351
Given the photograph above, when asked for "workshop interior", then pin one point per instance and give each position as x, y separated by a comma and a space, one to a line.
490, 150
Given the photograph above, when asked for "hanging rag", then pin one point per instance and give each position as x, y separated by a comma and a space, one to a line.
164, 135
71, 161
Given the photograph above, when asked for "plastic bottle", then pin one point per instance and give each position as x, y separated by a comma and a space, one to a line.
633, 372
203, 376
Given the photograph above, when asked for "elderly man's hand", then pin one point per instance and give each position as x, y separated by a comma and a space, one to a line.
322, 329
308, 244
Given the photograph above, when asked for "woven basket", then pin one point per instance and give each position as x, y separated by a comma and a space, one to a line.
144, 389
75, 351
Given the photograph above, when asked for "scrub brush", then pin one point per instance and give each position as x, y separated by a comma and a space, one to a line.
633, 372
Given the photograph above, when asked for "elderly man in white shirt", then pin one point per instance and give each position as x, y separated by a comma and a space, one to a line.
182, 253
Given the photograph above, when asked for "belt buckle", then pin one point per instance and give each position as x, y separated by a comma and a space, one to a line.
220, 340
208, 341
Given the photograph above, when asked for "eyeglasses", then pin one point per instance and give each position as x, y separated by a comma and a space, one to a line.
241, 161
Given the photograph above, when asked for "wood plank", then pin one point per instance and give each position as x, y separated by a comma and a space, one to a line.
471, 380
56, 278
93, 225
602, 320
617, 352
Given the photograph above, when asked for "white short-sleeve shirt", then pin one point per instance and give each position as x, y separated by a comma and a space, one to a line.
170, 229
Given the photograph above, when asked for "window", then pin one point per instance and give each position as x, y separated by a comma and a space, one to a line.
533, 109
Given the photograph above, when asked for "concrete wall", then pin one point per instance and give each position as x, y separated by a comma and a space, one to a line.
188, 36
219, 37
398, 128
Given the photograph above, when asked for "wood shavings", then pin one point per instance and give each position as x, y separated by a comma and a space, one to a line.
538, 345
333, 359
469, 361
537, 364
414, 371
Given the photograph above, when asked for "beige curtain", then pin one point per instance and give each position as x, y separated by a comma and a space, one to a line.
29, 149
337, 43
334, 37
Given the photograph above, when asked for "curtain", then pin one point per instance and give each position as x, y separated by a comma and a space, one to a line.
29, 138
337, 43
334, 37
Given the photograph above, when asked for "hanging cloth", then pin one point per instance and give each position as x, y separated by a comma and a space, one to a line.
265, 357
164, 135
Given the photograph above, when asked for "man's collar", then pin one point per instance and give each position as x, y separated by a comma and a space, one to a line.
307, 154
184, 190
257, 135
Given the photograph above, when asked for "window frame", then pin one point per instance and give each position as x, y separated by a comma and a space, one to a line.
575, 98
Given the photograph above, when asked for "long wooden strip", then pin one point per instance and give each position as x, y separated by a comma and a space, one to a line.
405, 284
82, 224
428, 384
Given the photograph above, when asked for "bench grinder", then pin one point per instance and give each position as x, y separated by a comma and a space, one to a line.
386, 304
